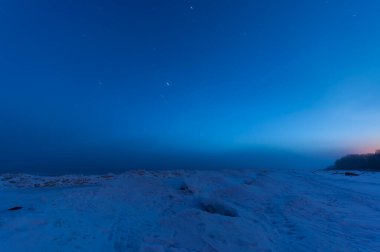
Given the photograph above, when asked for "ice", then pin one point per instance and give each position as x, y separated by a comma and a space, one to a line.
178, 211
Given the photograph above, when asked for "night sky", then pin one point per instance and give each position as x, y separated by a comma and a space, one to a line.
106, 85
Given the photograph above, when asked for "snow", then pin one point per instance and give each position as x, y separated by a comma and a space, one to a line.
178, 211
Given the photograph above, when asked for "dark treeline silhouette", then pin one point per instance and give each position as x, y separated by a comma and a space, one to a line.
368, 162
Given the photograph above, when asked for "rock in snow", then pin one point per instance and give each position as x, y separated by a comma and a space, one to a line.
15, 208
183, 211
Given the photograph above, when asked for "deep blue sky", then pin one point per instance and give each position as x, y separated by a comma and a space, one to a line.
131, 84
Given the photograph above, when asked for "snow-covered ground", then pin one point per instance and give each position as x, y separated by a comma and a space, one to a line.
177, 211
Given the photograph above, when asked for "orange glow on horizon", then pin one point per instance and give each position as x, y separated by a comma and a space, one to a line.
366, 150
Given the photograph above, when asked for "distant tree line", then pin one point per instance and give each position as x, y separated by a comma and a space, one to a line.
369, 162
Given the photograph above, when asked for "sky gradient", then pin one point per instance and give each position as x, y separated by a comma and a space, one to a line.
158, 84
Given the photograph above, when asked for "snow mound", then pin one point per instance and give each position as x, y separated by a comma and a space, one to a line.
214, 206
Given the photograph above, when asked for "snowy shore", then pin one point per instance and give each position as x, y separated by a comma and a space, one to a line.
178, 211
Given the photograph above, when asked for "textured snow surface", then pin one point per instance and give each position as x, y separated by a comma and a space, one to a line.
178, 211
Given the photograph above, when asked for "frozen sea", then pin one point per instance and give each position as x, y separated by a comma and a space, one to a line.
181, 210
